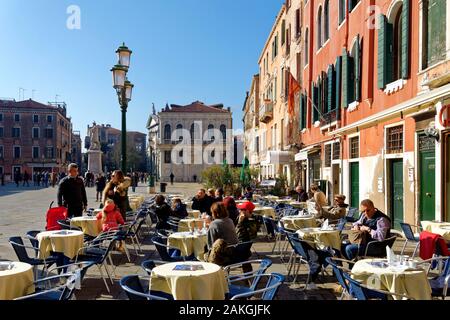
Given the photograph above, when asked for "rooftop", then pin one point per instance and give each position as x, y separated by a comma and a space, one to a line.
197, 107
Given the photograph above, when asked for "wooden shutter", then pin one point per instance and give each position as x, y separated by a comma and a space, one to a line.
436, 20
314, 104
405, 38
382, 50
320, 94
302, 112
331, 88
357, 68
338, 86
345, 78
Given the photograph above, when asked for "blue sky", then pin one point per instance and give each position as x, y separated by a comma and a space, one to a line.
184, 50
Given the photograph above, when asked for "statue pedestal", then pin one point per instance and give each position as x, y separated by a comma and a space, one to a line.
95, 161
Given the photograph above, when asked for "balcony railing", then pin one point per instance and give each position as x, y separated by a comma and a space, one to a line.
266, 112
329, 118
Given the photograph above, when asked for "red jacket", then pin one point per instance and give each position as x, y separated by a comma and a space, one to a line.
113, 220
429, 242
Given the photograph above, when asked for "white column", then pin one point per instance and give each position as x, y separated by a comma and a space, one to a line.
440, 179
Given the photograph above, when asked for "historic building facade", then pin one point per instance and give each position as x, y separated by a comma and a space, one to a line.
193, 137
34, 137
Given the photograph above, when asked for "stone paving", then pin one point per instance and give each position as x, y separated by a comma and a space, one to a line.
24, 209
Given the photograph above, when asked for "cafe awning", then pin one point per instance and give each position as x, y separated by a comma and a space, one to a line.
303, 154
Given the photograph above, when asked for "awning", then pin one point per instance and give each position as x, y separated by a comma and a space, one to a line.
303, 154
405, 108
278, 157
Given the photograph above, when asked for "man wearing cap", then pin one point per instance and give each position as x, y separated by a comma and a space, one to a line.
338, 211
247, 226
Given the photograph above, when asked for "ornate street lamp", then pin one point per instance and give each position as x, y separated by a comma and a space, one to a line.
124, 90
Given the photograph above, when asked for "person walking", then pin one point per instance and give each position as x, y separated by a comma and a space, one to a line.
72, 193
172, 178
117, 190
53, 177
17, 179
26, 179
100, 184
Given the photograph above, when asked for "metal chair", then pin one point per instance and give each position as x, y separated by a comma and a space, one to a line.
268, 293
377, 249
300, 253
338, 270
163, 250
135, 291
410, 237
55, 291
439, 284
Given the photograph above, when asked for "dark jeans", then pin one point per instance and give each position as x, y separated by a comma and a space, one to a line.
316, 260
74, 211
352, 251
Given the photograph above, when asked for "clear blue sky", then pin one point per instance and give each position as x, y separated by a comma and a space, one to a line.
184, 50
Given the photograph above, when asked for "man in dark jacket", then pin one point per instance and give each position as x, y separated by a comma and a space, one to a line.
72, 193
202, 202
247, 226
302, 195
163, 212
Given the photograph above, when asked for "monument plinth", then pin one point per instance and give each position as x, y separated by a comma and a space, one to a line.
94, 152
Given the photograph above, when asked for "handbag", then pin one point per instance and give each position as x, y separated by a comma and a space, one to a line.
358, 237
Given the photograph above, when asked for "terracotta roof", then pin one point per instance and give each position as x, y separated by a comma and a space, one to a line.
25, 104
198, 107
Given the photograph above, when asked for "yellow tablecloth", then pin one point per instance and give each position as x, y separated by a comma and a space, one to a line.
189, 244
207, 284
286, 201
441, 228
194, 214
299, 205
90, 225
299, 222
322, 239
413, 283
186, 224
17, 282
265, 211
68, 244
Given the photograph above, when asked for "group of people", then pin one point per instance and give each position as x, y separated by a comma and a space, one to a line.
39, 178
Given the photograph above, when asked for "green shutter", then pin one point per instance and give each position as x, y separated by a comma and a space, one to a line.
390, 52
358, 66
302, 112
320, 95
436, 28
331, 88
338, 85
345, 78
382, 50
405, 38
314, 102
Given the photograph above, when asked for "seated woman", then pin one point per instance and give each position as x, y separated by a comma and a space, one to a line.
233, 212
221, 235
179, 209
162, 211
110, 216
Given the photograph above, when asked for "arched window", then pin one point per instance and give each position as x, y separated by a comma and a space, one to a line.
211, 132
167, 132
319, 29
195, 132
223, 130
306, 47
180, 132
326, 20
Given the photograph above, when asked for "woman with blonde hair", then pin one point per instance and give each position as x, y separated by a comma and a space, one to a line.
116, 190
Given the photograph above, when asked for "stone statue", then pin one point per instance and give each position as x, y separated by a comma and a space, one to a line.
95, 142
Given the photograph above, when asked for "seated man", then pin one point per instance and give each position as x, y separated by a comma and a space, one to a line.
301, 195
373, 224
338, 211
248, 195
202, 202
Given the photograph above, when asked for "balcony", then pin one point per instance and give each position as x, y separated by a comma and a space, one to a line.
329, 118
266, 112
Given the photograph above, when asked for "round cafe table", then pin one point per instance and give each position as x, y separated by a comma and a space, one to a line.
265, 211
299, 222
411, 282
209, 283
298, 205
67, 242
186, 224
440, 228
321, 238
90, 225
17, 282
194, 214
189, 243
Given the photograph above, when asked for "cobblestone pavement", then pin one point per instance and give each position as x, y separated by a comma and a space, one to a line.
24, 209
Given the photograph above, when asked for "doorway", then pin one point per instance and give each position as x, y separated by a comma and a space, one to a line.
354, 184
336, 179
396, 192
427, 175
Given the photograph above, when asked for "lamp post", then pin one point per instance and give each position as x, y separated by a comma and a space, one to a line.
124, 90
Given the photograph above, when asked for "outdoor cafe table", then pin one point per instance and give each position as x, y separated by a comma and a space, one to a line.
194, 214
206, 284
265, 211
17, 282
90, 225
411, 282
67, 242
186, 224
189, 243
298, 205
283, 201
441, 228
299, 222
321, 238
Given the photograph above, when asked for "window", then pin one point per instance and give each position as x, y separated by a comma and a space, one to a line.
336, 151
434, 31
306, 47
16, 152
1, 116
15, 133
35, 118
283, 32
341, 11
354, 148
35, 133
180, 132
167, 132
257, 144
351, 74
49, 118
326, 21
352, 4
35, 152
167, 157
1, 132
302, 113
394, 137
210, 133
327, 161
180, 154
17, 117
50, 153
2, 154
319, 29
297, 24
223, 130
49, 133
275, 47
195, 132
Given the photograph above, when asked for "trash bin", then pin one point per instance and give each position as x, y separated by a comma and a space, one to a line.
162, 187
